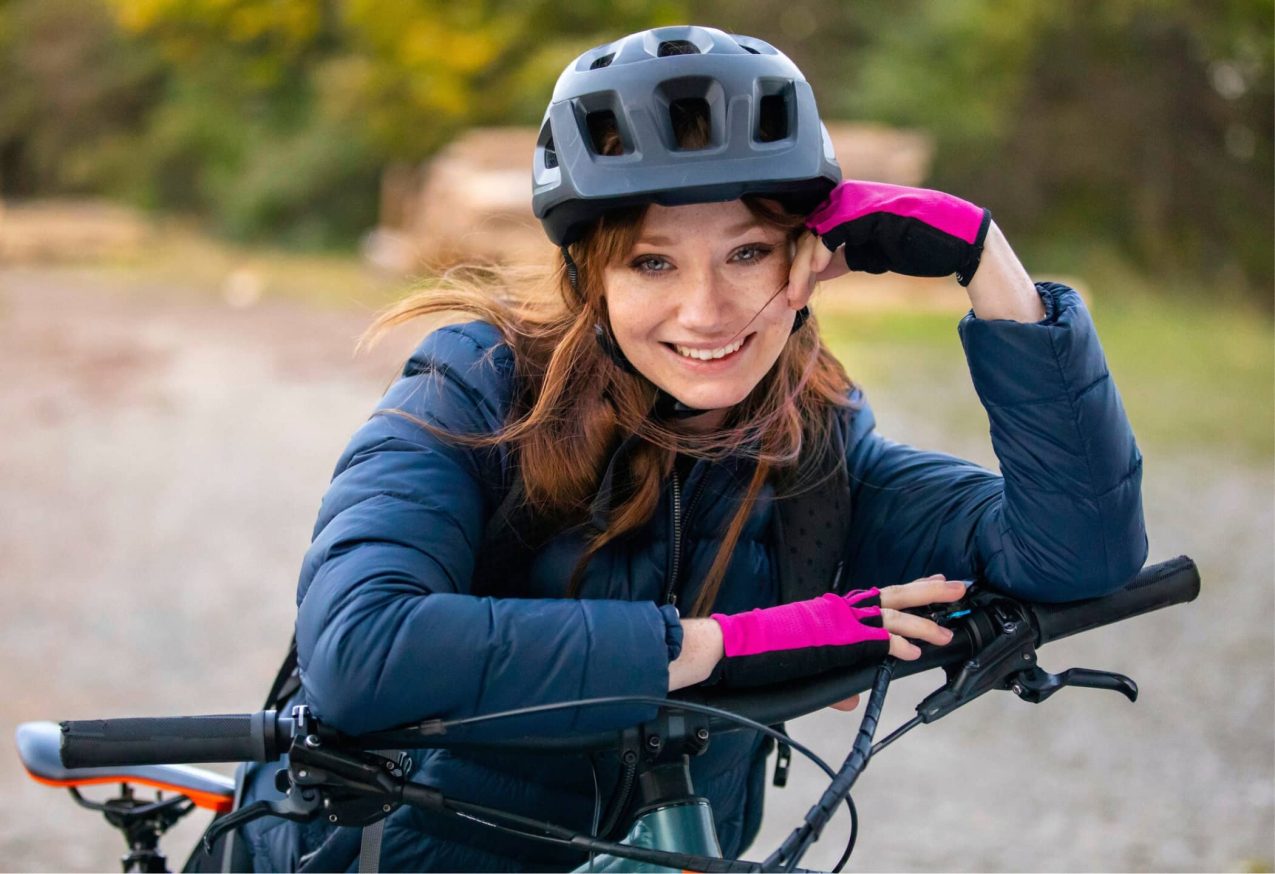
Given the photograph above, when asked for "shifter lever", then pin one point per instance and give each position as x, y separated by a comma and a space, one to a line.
1036, 684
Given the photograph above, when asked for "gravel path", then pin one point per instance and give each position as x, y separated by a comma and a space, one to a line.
162, 462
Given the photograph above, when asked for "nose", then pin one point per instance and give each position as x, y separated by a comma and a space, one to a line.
706, 304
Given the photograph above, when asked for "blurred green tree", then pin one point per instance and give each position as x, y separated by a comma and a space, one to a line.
1142, 125
71, 94
279, 115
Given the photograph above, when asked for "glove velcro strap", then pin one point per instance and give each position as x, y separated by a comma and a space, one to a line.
790, 664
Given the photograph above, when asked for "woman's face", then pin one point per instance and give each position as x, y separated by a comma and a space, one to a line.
694, 306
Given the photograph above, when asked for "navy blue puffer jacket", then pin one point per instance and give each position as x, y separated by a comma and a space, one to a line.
388, 633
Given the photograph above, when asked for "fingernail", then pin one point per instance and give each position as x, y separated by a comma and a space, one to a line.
950, 634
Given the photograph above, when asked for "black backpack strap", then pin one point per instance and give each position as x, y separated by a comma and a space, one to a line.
286, 681
513, 536
516, 532
812, 528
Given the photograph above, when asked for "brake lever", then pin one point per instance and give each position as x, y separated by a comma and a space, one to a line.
1008, 654
1008, 661
1037, 684
297, 806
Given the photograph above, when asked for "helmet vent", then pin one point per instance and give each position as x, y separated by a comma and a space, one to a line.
551, 155
604, 61
604, 132
776, 110
692, 123
750, 49
676, 47
772, 118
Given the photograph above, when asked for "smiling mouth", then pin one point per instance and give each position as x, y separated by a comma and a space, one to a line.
727, 351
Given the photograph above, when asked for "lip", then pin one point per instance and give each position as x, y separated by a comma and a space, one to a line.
713, 363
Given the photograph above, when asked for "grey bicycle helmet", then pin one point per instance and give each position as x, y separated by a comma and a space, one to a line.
764, 132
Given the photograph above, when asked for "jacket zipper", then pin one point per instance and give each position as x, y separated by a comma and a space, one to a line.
670, 596
676, 546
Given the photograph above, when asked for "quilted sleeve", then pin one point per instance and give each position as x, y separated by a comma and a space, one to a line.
386, 632
1064, 519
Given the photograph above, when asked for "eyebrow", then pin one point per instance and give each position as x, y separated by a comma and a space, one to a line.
733, 231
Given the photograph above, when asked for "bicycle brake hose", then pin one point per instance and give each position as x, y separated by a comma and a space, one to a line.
792, 849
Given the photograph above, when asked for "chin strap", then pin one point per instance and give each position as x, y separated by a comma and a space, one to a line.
666, 406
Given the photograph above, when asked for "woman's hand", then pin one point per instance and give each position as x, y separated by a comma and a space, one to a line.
916, 232
913, 231
906, 627
878, 228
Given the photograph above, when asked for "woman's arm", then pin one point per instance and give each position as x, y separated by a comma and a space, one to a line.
701, 651
387, 632
1065, 520
1001, 288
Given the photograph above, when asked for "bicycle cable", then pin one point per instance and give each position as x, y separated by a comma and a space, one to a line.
434, 727
854, 837
597, 805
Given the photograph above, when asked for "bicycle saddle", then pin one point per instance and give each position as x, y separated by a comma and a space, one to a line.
39, 746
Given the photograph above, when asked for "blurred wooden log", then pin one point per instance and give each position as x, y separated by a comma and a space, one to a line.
70, 230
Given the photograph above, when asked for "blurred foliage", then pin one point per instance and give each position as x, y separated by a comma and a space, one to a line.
1139, 127
272, 118
1146, 124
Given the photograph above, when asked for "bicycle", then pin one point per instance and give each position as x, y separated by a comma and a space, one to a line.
358, 781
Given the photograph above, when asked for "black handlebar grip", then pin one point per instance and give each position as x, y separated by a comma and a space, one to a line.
1175, 581
240, 737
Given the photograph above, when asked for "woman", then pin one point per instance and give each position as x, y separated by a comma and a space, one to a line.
641, 429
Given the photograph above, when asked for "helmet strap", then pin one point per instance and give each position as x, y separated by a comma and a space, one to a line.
573, 272
799, 320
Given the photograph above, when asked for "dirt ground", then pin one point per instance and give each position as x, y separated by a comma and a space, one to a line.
163, 457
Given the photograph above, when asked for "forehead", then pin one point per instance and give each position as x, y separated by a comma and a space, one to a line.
698, 220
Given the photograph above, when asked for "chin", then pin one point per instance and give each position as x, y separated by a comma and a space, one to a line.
705, 400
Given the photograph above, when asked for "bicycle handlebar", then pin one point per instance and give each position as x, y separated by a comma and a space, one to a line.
1176, 581
264, 736
240, 737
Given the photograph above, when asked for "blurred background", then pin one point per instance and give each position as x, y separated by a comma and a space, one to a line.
202, 202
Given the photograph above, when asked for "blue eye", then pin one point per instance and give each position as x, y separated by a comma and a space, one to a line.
752, 253
650, 264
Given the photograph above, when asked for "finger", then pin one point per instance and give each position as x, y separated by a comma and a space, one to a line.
847, 705
918, 593
800, 283
915, 627
827, 264
901, 649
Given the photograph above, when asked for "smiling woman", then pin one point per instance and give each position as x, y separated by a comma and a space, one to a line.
591, 488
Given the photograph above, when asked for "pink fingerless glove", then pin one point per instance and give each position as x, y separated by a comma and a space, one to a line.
803, 638
913, 231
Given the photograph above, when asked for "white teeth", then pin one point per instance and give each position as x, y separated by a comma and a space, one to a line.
709, 354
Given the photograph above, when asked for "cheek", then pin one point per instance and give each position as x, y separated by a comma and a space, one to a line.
630, 315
